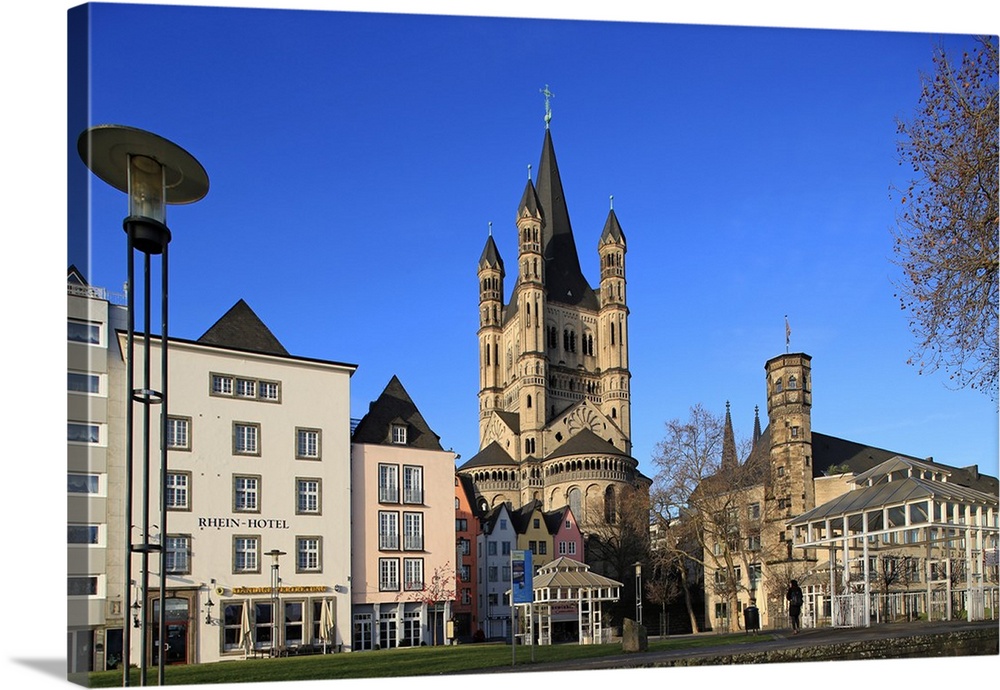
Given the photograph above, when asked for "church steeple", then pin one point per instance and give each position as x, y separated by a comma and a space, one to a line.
729, 460
565, 282
756, 424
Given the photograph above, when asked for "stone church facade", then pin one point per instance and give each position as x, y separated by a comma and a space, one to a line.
554, 379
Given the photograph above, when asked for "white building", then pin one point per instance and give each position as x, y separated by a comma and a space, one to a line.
94, 614
258, 462
493, 546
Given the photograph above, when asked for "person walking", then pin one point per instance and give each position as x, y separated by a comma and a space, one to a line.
794, 597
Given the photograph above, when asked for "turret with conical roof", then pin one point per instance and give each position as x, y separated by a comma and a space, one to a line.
612, 355
491, 274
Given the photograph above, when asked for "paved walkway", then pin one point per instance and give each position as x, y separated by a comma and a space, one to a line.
769, 640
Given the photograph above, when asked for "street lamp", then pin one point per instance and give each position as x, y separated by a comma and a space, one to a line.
638, 593
275, 554
153, 172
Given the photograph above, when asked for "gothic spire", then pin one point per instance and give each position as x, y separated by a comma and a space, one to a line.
728, 443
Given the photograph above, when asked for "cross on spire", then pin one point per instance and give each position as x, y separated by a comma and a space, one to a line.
548, 108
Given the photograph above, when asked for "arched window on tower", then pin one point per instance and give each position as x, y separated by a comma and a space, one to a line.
576, 505
777, 385
529, 402
610, 507
792, 383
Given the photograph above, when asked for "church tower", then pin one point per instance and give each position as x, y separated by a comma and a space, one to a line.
491, 275
613, 327
554, 402
789, 410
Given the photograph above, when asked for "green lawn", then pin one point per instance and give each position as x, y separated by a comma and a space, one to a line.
414, 661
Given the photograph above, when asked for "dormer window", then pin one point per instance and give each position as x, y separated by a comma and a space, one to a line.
399, 434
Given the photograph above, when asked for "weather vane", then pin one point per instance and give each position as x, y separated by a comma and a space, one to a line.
548, 108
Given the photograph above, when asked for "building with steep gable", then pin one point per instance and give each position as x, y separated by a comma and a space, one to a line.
257, 492
554, 379
403, 527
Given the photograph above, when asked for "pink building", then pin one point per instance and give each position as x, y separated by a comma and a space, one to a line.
403, 528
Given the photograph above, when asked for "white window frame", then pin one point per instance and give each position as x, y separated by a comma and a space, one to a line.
269, 391
399, 434
87, 434
91, 327
92, 479
176, 489
178, 433
413, 484
388, 530
388, 574
308, 496
178, 554
246, 438
388, 483
100, 381
309, 554
245, 388
247, 545
222, 384
413, 574
242, 488
307, 444
97, 530
413, 531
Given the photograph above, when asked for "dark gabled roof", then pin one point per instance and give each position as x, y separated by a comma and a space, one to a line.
394, 406
75, 276
520, 518
241, 329
554, 518
585, 442
564, 281
490, 456
490, 257
489, 520
857, 458
612, 230
529, 202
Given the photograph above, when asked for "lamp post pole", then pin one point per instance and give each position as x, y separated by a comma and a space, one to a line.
153, 172
275, 554
638, 593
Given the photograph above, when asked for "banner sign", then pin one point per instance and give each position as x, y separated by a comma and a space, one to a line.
520, 577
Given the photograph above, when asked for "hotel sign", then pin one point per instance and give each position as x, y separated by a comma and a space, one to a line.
303, 589
241, 523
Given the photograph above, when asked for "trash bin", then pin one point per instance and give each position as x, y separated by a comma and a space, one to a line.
751, 619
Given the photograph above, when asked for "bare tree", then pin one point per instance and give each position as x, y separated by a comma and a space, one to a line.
614, 547
440, 589
712, 508
946, 229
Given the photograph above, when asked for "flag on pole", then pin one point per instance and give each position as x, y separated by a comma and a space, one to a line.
788, 334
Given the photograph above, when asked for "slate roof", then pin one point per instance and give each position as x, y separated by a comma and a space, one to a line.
490, 456
394, 406
490, 257
612, 230
564, 281
241, 329
833, 452
554, 519
586, 442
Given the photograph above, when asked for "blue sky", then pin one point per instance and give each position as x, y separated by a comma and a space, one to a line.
356, 162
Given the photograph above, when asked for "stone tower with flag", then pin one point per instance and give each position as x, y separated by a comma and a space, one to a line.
554, 379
